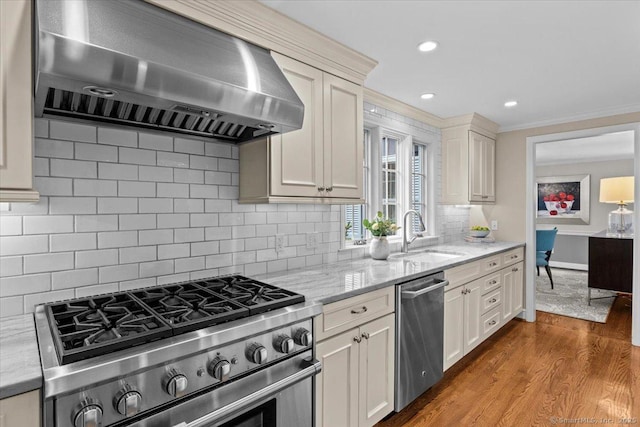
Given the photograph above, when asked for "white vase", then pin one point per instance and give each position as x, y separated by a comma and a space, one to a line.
379, 248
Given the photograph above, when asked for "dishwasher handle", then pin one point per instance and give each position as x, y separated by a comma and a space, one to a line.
414, 294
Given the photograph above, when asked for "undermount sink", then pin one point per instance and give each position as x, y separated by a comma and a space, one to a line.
427, 255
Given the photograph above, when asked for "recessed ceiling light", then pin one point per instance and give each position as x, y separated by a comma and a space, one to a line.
427, 46
510, 104
427, 95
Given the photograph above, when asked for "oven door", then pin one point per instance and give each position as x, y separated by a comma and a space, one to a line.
279, 396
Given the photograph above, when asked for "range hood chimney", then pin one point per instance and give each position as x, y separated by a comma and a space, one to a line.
131, 63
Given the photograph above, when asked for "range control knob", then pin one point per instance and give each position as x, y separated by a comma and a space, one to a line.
175, 383
303, 337
283, 344
219, 368
87, 413
256, 353
127, 401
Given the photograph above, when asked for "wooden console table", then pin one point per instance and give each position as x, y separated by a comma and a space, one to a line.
610, 263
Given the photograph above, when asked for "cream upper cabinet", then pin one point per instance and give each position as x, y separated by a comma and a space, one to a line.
16, 106
468, 161
322, 161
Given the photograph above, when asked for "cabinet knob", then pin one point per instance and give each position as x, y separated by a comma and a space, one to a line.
357, 339
321, 189
493, 322
514, 269
493, 282
329, 189
365, 335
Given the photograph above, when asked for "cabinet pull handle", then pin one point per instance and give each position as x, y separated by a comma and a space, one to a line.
365, 335
514, 269
463, 291
492, 300
357, 339
493, 322
360, 311
493, 282
514, 256
485, 197
329, 189
493, 264
321, 189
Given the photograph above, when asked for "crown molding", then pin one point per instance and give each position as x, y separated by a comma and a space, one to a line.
259, 24
633, 108
400, 107
476, 121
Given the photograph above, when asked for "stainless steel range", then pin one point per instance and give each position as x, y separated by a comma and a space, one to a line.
225, 351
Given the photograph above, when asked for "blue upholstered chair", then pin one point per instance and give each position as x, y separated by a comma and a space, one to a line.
545, 239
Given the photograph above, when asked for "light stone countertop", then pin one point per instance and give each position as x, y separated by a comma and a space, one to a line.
20, 370
343, 279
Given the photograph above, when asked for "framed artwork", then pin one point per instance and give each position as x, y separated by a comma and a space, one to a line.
563, 199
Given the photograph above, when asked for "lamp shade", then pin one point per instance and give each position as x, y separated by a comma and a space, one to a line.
616, 190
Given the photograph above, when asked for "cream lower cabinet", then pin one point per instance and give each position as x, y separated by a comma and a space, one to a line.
512, 291
355, 387
21, 410
322, 161
16, 103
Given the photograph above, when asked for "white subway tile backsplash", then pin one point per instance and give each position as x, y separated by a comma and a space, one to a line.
106, 288
40, 128
71, 131
137, 284
99, 258
74, 278
155, 237
137, 156
156, 268
202, 162
10, 266
27, 284
10, 225
121, 137
228, 165
177, 250
155, 205
203, 192
204, 220
255, 268
155, 173
217, 233
94, 187
188, 176
266, 230
217, 178
118, 273
182, 235
137, 222
218, 150
155, 141
48, 224
173, 278
73, 242
22, 245
189, 264
32, 300
228, 192
173, 190
117, 171
217, 205
138, 254
40, 167
246, 257
176, 220
205, 248
113, 205
48, 262
231, 246
255, 218
188, 205
217, 261
53, 148
136, 189
102, 153
174, 160
73, 168
231, 219
96, 223
190, 146
11, 306
117, 239
72, 205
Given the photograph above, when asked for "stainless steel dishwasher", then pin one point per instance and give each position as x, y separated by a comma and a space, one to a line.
419, 336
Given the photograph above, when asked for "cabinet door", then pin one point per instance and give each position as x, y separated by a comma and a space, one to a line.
489, 172
343, 133
337, 383
453, 326
22, 409
472, 314
476, 167
377, 351
297, 156
518, 288
16, 102
455, 155
507, 293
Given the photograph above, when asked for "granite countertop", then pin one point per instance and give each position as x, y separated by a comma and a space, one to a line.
20, 370
333, 282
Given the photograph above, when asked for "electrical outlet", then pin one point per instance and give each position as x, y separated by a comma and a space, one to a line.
312, 240
279, 243
494, 224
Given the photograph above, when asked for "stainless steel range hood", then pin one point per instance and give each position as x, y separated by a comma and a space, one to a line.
131, 63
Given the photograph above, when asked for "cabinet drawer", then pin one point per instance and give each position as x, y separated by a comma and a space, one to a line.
513, 256
491, 282
491, 300
353, 312
490, 322
463, 273
491, 263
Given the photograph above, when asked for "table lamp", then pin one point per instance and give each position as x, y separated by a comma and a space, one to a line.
618, 190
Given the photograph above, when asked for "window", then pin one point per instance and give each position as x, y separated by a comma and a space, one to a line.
395, 180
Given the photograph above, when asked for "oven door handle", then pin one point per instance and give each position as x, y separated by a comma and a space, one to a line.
312, 367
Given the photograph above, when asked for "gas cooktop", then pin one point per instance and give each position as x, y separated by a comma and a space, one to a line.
88, 327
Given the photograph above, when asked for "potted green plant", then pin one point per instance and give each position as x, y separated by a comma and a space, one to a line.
380, 228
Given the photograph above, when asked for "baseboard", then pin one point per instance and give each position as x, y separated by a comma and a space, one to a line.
569, 265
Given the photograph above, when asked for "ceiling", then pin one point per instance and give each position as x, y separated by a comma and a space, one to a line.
611, 146
561, 60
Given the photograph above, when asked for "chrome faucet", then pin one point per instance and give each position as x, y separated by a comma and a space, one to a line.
405, 242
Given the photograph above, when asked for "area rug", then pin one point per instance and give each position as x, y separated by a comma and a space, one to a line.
569, 295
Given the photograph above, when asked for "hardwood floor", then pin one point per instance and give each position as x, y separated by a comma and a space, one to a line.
528, 373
